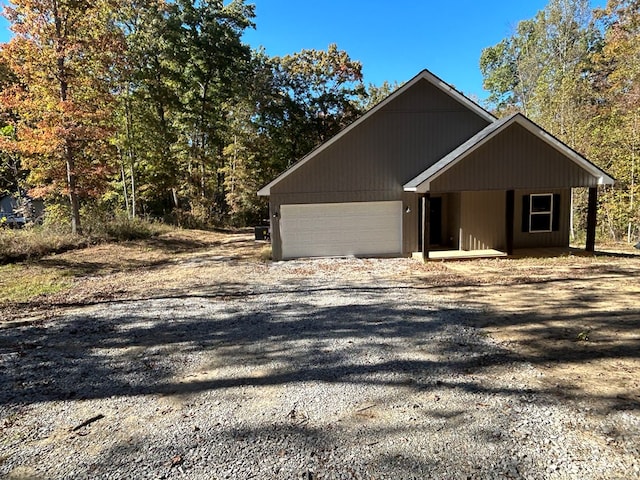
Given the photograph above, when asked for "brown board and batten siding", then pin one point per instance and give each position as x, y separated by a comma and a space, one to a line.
516, 159
372, 161
482, 221
482, 224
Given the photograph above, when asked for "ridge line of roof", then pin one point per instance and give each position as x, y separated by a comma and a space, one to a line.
423, 74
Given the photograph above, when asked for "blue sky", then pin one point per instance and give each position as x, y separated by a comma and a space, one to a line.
393, 40
396, 40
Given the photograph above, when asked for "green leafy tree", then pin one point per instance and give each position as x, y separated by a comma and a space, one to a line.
542, 69
375, 94
11, 173
545, 71
316, 94
214, 64
251, 156
511, 68
293, 104
148, 105
62, 55
617, 119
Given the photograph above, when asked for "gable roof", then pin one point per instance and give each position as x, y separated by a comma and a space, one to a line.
424, 75
421, 183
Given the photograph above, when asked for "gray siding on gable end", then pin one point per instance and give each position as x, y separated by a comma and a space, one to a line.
374, 160
514, 159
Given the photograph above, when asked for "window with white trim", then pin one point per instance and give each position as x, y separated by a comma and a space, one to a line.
541, 212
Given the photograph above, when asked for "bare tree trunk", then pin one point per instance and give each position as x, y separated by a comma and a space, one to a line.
130, 152
68, 151
73, 193
133, 191
631, 197
633, 178
124, 186
203, 184
174, 197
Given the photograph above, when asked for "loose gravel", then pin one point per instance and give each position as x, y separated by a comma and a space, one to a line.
313, 376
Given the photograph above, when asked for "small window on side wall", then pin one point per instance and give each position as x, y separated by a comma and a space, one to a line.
540, 212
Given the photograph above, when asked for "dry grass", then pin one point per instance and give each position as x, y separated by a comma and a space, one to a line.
37, 242
576, 317
171, 262
18, 245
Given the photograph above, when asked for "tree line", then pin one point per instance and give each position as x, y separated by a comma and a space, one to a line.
158, 108
576, 72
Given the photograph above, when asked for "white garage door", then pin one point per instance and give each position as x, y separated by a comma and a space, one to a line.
337, 229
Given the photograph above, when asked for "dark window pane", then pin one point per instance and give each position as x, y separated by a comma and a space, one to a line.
541, 203
541, 222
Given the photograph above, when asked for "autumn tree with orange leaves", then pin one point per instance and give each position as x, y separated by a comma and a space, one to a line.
63, 55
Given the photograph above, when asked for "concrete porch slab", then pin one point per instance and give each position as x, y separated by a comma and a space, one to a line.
460, 254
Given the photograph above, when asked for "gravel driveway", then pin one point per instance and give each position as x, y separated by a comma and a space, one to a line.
305, 377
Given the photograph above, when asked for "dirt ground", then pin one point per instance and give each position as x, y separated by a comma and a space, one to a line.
576, 317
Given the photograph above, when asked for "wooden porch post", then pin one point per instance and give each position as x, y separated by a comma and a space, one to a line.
592, 214
426, 219
509, 220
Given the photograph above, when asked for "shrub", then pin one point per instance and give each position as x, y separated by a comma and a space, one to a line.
35, 242
38, 241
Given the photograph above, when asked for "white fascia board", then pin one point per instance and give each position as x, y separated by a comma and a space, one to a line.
424, 75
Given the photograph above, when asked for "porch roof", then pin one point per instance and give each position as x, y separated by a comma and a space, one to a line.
422, 182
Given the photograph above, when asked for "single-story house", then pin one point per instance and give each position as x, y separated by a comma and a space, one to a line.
425, 168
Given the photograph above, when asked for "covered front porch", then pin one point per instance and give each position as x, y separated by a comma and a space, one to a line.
492, 224
508, 187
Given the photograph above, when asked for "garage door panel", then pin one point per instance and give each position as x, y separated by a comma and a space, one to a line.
336, 229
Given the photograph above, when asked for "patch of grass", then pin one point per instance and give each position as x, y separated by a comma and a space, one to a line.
265, 254
37, 242
583, 336
122, 228
21, 283
25, 244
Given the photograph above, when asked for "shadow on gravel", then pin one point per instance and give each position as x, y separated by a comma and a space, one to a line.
382, 335
300, 452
